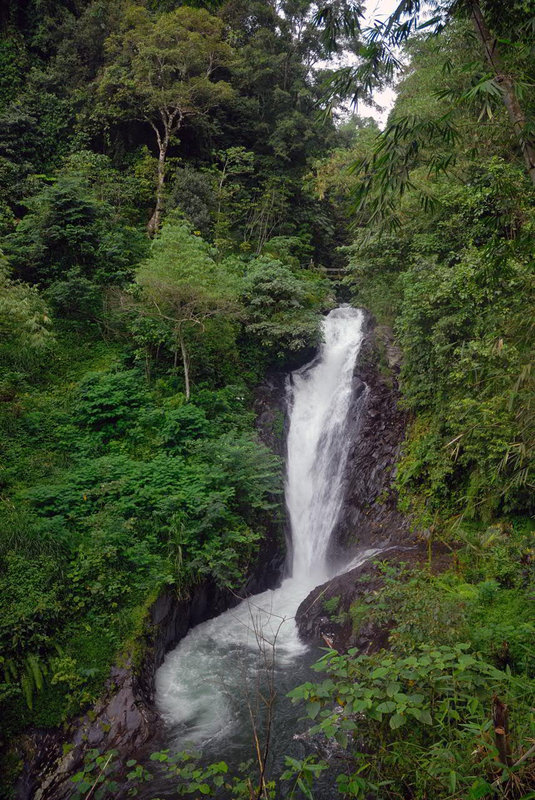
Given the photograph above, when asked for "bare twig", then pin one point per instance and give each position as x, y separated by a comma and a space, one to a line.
88, 795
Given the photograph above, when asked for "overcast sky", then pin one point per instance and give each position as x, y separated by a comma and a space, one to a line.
379, 9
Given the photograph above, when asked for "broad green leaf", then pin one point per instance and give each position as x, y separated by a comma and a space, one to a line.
396, 721
387, 707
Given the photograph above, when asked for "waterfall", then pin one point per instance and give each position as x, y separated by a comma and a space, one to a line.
317, 442
201, 686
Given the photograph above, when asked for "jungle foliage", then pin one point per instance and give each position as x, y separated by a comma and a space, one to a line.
130, 458
130, 461
450, 267
442, 252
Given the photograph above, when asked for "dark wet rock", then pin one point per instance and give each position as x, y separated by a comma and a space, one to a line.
317, 626
124, 719
271, 413
376, 427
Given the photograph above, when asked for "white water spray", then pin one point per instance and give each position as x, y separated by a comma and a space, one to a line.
201, 686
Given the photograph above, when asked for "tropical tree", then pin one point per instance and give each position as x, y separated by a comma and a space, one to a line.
72, 245
281, 307
164, 71
506, 43
232, 164
182, 286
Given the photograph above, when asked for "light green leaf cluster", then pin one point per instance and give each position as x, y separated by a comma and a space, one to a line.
25, 324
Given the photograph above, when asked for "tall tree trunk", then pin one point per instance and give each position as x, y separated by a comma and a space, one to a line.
185, 364
154, 222
500, 718
507, 86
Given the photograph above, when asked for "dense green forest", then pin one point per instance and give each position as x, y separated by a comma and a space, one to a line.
177, 182
130, 460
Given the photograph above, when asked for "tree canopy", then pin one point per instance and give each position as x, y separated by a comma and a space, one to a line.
504, 40
163, 71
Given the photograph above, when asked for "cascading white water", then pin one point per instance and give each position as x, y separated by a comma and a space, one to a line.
317, 451
201, 688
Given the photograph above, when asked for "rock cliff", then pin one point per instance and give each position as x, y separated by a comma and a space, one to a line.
370, 517
319, 626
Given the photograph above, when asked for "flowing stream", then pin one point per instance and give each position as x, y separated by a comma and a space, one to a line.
208, 686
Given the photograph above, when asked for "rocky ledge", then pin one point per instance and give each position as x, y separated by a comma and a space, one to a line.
317, 626
370, 519
124, 719
376, 428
